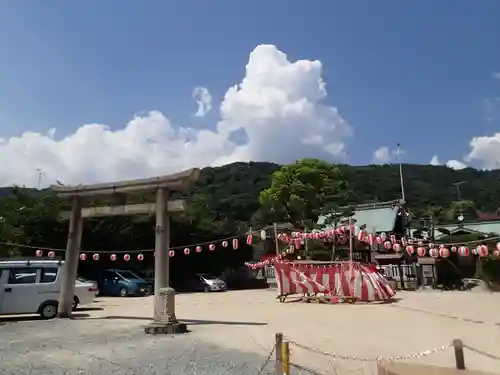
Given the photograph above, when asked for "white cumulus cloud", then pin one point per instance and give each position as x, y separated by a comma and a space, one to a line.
485, 151
382, 155
453, 164
278, 105
203, 99
434, 161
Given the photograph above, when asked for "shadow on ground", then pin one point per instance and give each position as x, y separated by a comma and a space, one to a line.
187, 321
34, 318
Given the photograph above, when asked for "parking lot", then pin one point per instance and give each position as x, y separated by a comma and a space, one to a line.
234, 331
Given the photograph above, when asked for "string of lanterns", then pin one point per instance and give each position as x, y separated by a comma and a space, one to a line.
410, 245
96, 255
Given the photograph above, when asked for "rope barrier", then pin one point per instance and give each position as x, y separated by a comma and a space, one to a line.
481, 352
266, 362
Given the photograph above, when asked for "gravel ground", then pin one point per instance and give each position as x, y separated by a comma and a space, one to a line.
89, 347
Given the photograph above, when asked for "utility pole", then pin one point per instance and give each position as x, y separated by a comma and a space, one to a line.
401, 172
40, 176
457, 186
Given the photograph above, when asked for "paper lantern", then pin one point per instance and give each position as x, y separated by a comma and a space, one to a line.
410, 241
51, 254
235, 243
83, 256
387, 245
39, 253
496, 253
263, 235
393, 238
224, 243
186, 251
482, 250
397, 247
249, 239
126, 257
444, 252
140, 257
454, 249
198, 249
112, 257
420, 243
211, 247
498, 246
343, 228
379, 240
434, 253
410, 249
171, 253
421, 251
383, 235
371, 239
95, 256
361, 235
463, 251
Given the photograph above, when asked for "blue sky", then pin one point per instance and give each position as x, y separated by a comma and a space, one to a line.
417, 72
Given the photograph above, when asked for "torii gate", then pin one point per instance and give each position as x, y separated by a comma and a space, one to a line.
164, 320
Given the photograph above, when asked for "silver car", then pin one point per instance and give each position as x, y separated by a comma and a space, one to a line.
212, 283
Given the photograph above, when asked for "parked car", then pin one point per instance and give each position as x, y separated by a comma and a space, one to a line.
33, 287
211, 283
118, 282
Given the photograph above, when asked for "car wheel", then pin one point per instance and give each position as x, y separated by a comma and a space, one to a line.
75, 302
123, 292
48, 310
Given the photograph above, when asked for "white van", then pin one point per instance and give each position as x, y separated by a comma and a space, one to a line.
32, 287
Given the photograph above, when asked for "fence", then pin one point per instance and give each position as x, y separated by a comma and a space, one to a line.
284, 365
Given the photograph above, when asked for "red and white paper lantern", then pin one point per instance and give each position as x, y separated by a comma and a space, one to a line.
454, 249
112, 257
434, 253
140, 257
171, 253
496, 253
186, 251
397, 247
482, 250
224, 244
410, 249
39, 253
249, 239
498, 246
51, 254
463, 251
198, 249
421, 251
235, 243
126, 257
444, 252
83, 256
211, 247
95, 256
387, 245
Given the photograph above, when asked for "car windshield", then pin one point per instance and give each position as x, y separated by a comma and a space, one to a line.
128, 275
208, 276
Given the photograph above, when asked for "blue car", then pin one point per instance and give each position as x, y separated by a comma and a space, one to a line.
116, 282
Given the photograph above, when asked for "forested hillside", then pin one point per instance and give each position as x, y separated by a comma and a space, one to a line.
226, 199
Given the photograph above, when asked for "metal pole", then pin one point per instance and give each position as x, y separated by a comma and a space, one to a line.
278, 351
276, 239
401, 173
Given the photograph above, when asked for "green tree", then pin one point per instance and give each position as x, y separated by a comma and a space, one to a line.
300, 191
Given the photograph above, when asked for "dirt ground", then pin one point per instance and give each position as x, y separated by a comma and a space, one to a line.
248, 320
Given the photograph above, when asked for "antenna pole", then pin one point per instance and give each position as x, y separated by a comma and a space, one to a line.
401, 173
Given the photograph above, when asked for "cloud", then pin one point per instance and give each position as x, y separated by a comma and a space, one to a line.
485, 151
382, 155
204, 100
453, 164
278, 105
434, 161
